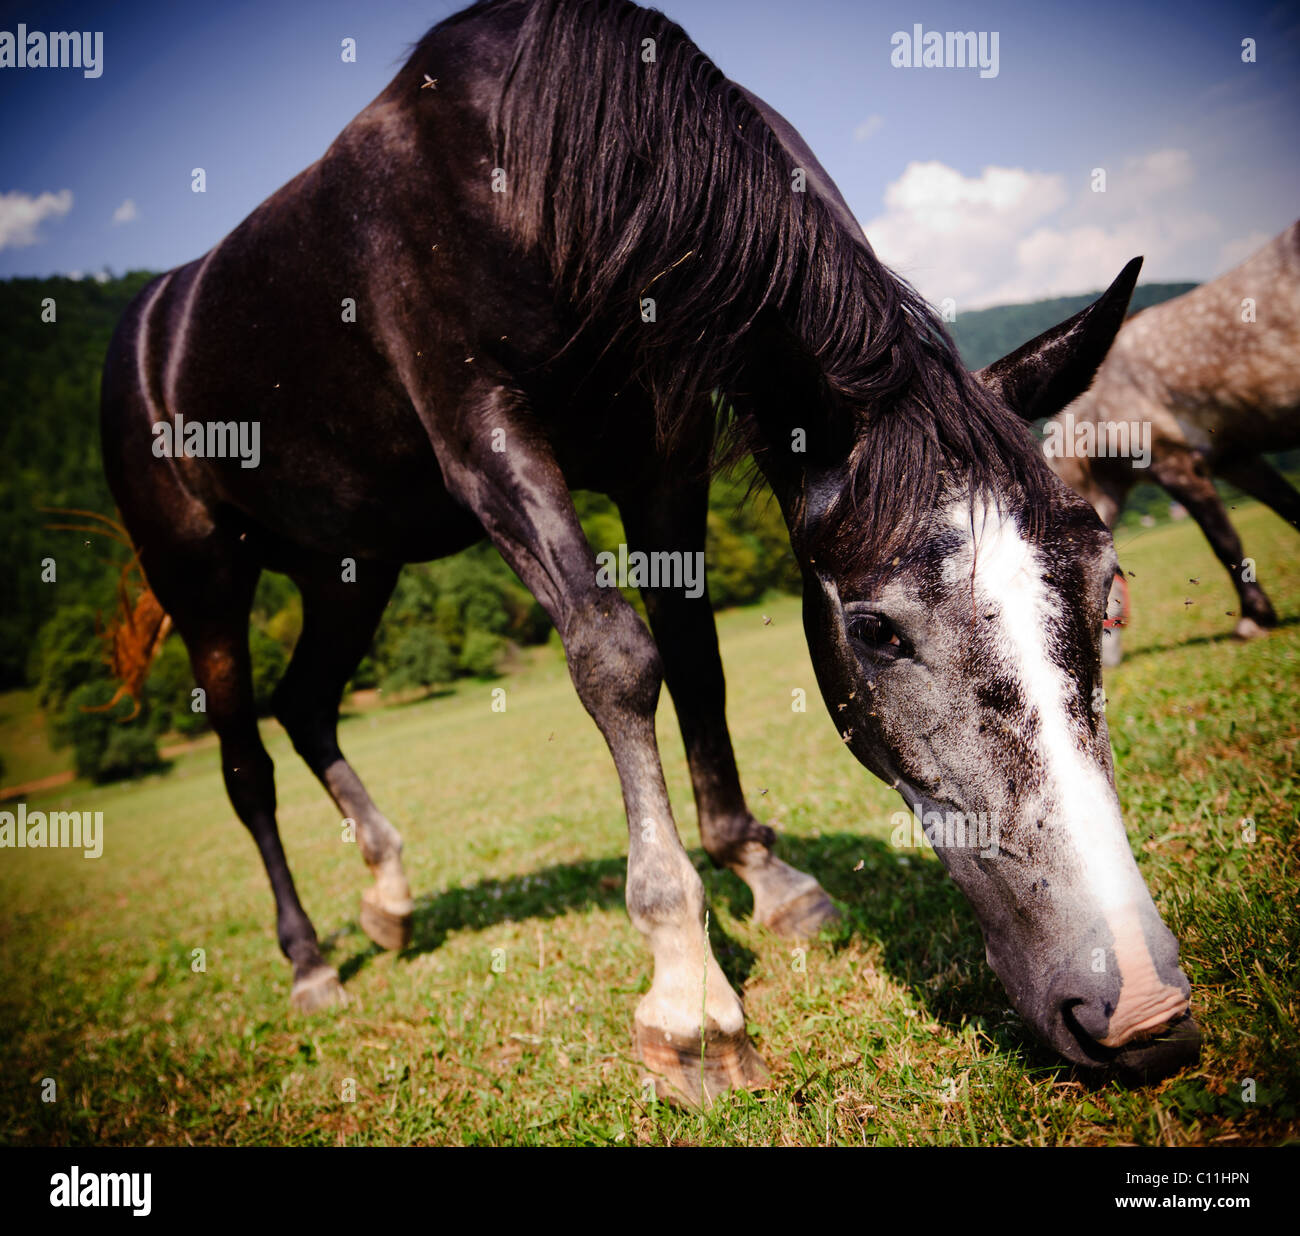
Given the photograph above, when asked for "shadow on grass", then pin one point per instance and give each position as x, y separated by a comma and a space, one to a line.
546, 893
1220, 637
929, 939
927, 934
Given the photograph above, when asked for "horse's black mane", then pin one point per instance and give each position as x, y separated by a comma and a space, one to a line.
661, 179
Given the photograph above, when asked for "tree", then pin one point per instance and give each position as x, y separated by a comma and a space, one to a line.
481, 654
421, 658
75, 686
105, 745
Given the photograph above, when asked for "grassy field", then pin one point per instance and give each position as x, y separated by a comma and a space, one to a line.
893, 1032
24, 742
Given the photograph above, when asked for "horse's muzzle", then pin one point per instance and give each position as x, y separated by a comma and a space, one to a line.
1117, 1003
1137, 1026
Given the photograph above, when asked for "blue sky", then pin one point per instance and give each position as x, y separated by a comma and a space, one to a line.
974, 188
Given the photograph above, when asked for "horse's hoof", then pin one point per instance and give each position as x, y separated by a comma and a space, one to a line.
387, 929
686, 1075
1248, 628
803, 915
317, 989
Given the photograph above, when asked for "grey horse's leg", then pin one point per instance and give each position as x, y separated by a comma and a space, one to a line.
1186, 477
690, 1026
673, 517
1266, 484
339, 621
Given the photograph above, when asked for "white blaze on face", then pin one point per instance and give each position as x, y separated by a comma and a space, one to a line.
1008, 583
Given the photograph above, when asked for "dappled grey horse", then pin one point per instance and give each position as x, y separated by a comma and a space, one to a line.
527, 267
1214, 376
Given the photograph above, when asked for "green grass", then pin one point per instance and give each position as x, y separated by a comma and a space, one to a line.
24, 742
515, 841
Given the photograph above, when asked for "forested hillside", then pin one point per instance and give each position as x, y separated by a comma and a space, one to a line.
985, 334
49, 440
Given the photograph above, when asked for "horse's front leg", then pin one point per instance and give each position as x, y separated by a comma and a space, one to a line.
690, 1026
673, 517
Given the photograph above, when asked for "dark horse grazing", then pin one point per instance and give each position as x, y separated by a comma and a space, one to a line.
1215, 376
503, 215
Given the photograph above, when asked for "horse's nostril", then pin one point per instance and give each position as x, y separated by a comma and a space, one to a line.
1087, 1020
1157, 1053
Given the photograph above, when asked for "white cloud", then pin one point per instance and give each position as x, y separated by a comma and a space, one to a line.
21, 215
1139, 179
126, 212
1011, 234
868, 128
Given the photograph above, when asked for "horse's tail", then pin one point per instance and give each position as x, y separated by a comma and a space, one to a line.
139, 624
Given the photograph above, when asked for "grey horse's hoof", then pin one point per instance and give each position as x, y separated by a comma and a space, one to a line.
1248, 628
317, 989
386, 928
802, 916
689, 1073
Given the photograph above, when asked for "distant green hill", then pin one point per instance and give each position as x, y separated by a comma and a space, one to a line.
985, 334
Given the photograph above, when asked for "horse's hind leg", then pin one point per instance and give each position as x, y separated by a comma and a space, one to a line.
208, 591
339, 621
1266, 484
788, 901
1185, 476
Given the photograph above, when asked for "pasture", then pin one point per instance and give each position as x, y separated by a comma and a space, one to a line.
508, 1020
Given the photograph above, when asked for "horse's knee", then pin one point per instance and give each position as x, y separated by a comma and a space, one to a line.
311, 727
613, 660
663, 888
286, 707
249, 774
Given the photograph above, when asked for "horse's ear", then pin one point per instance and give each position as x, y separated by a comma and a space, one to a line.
1047, 373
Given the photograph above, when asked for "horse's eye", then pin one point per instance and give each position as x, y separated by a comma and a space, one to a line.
876, 632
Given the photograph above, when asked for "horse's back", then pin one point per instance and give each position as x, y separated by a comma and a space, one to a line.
309, 318
1216, 367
